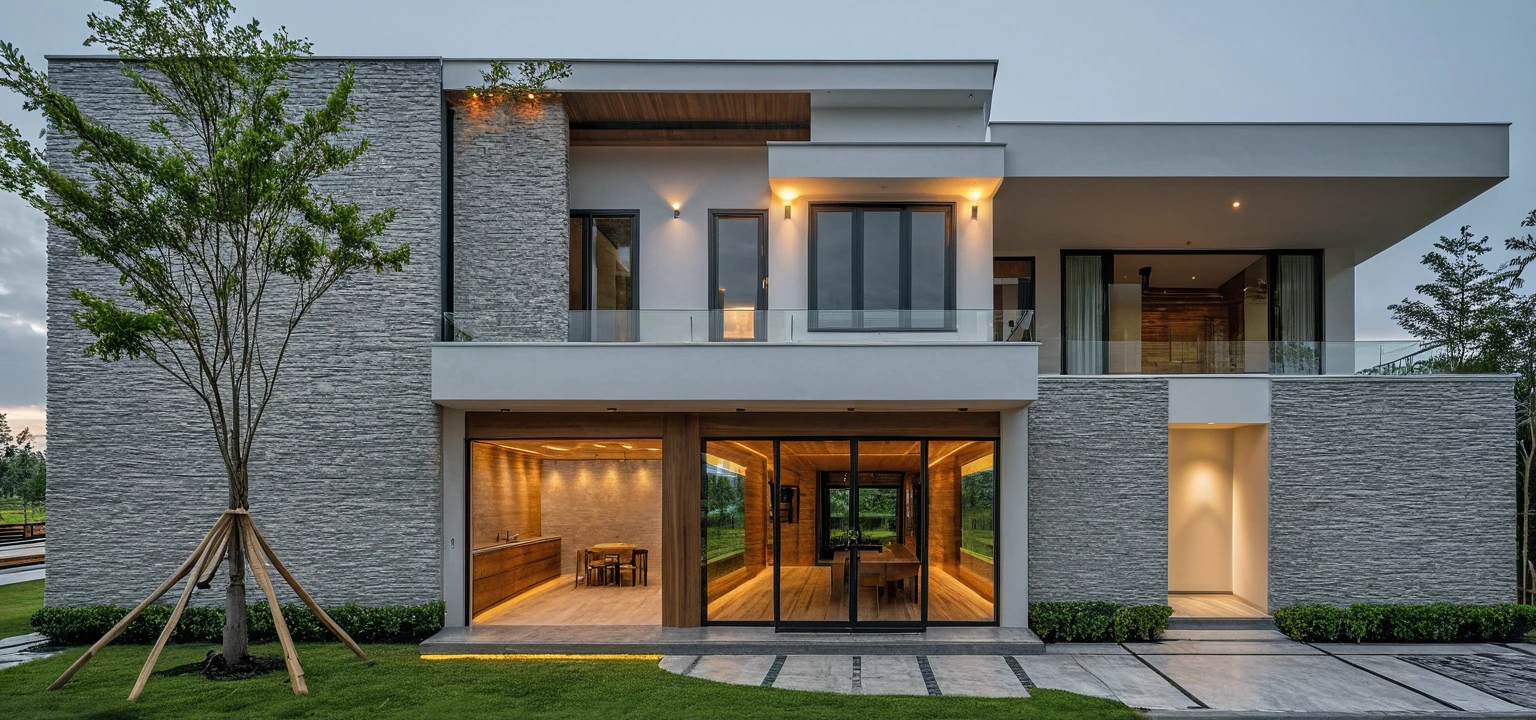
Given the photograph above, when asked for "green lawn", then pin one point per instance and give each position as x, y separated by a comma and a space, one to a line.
10, 512
17, 603
396, 683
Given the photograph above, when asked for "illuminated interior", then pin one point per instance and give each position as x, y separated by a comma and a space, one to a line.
1218, 520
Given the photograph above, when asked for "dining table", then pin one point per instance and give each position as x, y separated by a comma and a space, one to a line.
897, 564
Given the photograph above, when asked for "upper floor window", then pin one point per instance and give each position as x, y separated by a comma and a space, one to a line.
882, 267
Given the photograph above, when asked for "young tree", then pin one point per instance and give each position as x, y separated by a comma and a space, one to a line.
1461, 308
17, 459
219, 229
34, 490
1521, 344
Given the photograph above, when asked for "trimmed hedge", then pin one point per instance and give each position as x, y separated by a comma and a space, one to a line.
1440, 622
1057, 622
393, 624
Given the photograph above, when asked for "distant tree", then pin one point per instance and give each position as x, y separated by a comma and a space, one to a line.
1462, 309
34, 490
18, 460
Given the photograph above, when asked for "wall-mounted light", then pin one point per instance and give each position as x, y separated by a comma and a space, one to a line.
677, 210
975, 199
788, 197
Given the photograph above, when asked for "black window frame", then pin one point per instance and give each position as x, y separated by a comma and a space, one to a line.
589, 291
717, 317
904, 323
1271, 266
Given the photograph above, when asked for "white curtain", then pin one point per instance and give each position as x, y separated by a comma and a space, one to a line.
1083, 317
1296, 350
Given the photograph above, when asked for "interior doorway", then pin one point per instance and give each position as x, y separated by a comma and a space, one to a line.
1218, 520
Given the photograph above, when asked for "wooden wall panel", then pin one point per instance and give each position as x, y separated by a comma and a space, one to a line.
855, 424
504, 490
682, 577
501, 573
561, 426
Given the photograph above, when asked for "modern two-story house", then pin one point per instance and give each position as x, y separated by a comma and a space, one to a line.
822, 345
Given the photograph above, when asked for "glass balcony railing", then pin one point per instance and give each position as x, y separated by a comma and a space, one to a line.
746, 326
1378, 357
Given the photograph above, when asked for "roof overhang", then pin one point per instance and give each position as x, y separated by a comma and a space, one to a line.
1172, 186
832, 83
874, 169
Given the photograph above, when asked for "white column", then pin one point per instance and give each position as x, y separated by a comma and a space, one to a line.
1339, 311
1013, 534
455, 535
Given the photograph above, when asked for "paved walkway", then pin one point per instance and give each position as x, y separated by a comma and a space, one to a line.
21, 648
1191, 670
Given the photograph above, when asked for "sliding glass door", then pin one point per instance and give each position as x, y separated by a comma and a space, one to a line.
844, 534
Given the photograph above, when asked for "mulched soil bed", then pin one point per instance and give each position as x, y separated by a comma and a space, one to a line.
213, 667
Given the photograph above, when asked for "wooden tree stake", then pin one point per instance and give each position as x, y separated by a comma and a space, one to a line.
207, 559
298, 589
259, 570
134, 614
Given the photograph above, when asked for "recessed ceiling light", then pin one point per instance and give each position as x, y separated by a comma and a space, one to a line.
556, 447
1191, 277
626, 446
599, 445
1237, 204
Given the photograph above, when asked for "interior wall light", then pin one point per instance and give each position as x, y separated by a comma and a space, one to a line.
677, 210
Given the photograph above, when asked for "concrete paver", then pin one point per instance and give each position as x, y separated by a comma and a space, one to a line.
1456, 693
1062, 672
1085, 649
890, 675
1414, 649
1287, 683
1222, 647
735, 669
976, 675
819, 673
1174, 634
1134, 683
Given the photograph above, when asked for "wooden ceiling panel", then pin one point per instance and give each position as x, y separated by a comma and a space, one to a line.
606, 118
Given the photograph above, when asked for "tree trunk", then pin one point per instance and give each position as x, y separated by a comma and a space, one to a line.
237, 636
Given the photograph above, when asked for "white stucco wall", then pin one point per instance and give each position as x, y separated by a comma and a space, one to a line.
1250, 514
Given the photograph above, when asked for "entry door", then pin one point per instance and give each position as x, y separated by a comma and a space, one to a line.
738, 275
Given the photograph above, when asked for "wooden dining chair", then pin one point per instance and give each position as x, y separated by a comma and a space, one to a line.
638, 568
596, 566
611, 567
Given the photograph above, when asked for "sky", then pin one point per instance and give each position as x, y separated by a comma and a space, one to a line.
1083, 60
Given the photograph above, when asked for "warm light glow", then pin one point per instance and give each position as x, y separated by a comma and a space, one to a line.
599, 445
1237, 204
677, 206
626, 446
557, 447
530, 96
788, 195
975, 195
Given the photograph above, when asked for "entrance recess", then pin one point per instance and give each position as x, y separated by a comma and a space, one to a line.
849, 534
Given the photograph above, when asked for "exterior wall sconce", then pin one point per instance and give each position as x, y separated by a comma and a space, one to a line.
975, 200
786, 211
973, 211
677, 210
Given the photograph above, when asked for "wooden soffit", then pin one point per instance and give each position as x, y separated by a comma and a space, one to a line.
655, 118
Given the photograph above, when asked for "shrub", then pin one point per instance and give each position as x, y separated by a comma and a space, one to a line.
1141, 622
1311, 623
1097, 621
83, 625
1439, 622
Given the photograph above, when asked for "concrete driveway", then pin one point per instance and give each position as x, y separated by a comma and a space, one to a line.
1192, 672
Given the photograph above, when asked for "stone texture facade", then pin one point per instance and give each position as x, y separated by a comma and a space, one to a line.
1098, 490
345, 477
511, 222
1391, 490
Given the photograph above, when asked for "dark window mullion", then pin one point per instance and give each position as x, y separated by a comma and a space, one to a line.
858, 268
905, 271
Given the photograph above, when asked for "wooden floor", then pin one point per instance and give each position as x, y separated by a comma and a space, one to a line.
807, 596
1212, 605
558, 602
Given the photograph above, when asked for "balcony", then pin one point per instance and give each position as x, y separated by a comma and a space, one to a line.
1373, 357
762, 326
714, 361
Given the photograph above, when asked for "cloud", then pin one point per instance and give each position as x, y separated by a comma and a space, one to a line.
23, 302
31, 417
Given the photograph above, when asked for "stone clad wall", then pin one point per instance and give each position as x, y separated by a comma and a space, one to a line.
344, 480
511, 259
1394, 490
1098, 490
